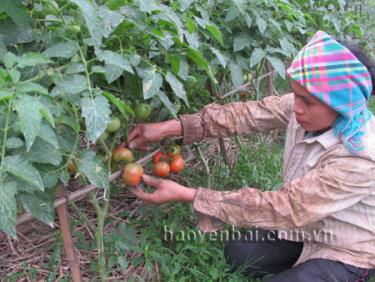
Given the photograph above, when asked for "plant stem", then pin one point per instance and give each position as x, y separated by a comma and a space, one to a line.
3, 145
205, 163
86, 71
100, 238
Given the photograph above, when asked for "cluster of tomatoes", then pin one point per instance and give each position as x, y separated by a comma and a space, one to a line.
164, 163
169, 162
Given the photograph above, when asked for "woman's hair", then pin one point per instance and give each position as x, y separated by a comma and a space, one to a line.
364, 58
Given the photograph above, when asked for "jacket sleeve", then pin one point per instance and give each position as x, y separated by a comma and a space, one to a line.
336, 185
215, 120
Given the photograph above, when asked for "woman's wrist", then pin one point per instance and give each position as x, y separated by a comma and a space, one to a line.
188, 195
172, 128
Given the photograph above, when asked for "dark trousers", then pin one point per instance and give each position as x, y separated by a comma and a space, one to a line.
261, 252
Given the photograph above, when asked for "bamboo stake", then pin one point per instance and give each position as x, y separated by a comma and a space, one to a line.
73, 261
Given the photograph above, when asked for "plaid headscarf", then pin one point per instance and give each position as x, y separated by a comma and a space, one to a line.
331, 73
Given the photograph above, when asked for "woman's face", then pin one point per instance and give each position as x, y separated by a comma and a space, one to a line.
310, 112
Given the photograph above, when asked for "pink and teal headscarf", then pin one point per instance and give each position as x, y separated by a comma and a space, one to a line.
331, 73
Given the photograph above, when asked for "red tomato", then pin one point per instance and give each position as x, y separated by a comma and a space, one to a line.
162, 169
132, 174
177, 164
159, 156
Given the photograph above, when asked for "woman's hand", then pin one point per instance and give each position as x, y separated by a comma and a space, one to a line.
165, 191
143, 134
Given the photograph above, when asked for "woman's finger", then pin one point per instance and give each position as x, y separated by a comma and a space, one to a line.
152, 181
133, 133
139, 193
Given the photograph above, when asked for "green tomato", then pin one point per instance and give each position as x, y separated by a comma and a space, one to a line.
113, 125
142, 111
75, 29
104, 136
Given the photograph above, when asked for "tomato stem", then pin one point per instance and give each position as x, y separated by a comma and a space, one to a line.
3, 145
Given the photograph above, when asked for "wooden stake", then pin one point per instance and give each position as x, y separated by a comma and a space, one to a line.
73, 261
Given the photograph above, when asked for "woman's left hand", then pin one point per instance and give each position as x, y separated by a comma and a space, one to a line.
165, 191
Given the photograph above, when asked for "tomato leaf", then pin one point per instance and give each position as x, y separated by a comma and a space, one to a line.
91, 166
165, 100
29, 117
221, 58
100, 21
8, 208
10, 60
47, 134
256, 56
241, 41
120, 105
62, 50
236, 74
13, 143
277, 64
177, 87
32, 59
112, 72
23, 170
71, 85
43, 153
116, 59
216, 33
148, 6
96, 112
261, 23
31, 87
40, 205
18, 12
151, 83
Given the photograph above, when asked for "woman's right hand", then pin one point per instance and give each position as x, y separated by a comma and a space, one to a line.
146, 133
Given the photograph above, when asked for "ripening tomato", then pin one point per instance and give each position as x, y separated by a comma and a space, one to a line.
177, 164
113, 125
162, 169
173, 150
159, 156
122, 154
243, 96
132, 174
72, 167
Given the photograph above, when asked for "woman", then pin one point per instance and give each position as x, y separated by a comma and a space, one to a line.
328, 192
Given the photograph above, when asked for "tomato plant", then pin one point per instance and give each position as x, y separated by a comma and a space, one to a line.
132, 174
